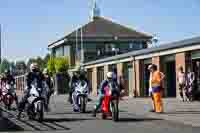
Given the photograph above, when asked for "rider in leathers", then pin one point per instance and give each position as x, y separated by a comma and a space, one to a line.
72, 84
49, 82
9, 79
34, 74
113, 85
82, 77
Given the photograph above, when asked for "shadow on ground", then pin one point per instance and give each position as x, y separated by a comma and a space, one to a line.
183, 112
69, 112
7, 126
137, 119
64, 119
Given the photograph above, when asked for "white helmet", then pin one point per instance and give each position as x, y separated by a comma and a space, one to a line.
45, 71
33, 66
109, 75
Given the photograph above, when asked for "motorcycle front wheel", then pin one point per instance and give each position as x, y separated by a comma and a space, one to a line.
40, 111
82, 104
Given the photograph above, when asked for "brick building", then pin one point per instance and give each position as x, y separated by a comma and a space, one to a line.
133, 66
99, 38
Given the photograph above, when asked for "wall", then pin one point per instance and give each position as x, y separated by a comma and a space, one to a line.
180, 61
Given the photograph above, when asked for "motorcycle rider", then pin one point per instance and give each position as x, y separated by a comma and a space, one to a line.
113, 85
49, 82
81, 78
1, 78
73, 82
34, 74
9, 79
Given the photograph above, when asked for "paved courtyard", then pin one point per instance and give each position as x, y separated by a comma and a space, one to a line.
134, 117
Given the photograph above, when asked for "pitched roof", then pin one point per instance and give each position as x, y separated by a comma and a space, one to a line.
102, 27
105, 28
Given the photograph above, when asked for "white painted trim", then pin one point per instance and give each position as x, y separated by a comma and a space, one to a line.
57, 44
168, 52
146, 56
110, 63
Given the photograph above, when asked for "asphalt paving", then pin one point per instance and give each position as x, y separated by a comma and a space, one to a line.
61, 119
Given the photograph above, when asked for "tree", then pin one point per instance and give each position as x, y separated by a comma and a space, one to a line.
13, 68
5, 65
61, 64
20, 67
58, 65
51, 66
42, 62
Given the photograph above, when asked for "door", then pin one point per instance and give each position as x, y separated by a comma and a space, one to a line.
170, 77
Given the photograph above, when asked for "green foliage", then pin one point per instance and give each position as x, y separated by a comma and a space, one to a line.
20, 67
42, 62
61, 64
58, 65
51, 66
5, 65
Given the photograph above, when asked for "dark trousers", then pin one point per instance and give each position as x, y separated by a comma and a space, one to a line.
22, 103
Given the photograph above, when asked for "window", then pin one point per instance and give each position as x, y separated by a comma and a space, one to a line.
131, 45
67, 50
59, 51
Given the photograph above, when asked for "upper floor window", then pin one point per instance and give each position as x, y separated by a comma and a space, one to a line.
131, 45
59, 51
136, 45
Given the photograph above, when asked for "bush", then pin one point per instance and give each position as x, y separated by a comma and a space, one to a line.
51, 66
58, 65
61, 65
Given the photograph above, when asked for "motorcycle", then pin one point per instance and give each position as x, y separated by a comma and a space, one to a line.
110, 105
81, 93
36, 101
8, 95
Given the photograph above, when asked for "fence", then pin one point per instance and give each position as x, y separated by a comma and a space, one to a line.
20, 83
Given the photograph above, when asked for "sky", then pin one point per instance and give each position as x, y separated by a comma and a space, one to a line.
28, 26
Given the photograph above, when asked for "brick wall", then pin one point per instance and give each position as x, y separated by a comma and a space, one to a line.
94, 80
105, 71
119, 69
180, 61
138, 77
156, 61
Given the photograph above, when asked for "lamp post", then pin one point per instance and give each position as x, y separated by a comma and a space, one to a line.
0, 43
82, 50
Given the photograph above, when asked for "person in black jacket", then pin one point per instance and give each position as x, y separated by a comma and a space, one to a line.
50, 83
34, 75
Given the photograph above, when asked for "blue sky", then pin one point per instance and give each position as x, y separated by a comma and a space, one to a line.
30, 25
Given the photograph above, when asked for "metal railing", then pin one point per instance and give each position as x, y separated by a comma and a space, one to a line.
20, 83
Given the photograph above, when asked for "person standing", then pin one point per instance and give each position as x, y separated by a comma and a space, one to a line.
49, 81
182, 83
156, 86
190, 84
150, 89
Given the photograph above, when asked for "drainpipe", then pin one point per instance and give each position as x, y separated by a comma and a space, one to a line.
134, 68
